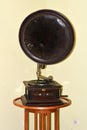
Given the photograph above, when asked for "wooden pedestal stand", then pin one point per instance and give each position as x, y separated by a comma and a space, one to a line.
42, 115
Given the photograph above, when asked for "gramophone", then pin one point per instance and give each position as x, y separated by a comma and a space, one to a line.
46, 37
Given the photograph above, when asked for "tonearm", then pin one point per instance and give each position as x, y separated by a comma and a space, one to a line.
39, 75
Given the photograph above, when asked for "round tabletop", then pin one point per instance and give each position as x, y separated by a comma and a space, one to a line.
19, 103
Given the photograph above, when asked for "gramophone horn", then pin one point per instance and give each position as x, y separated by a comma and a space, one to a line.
46, 36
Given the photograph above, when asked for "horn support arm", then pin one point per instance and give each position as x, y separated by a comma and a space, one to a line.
38, 73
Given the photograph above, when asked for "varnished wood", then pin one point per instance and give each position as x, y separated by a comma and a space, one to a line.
35, 121
43, 121
38, 109
48, 121
56, 119
26, 119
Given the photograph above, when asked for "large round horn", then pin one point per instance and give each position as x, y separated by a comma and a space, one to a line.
46, 36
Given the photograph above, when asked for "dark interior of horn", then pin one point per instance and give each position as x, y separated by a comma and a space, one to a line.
46, 36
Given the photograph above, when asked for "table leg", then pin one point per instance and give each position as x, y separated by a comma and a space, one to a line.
48, 121
35, 121
42, 121
56, 119
26, 119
